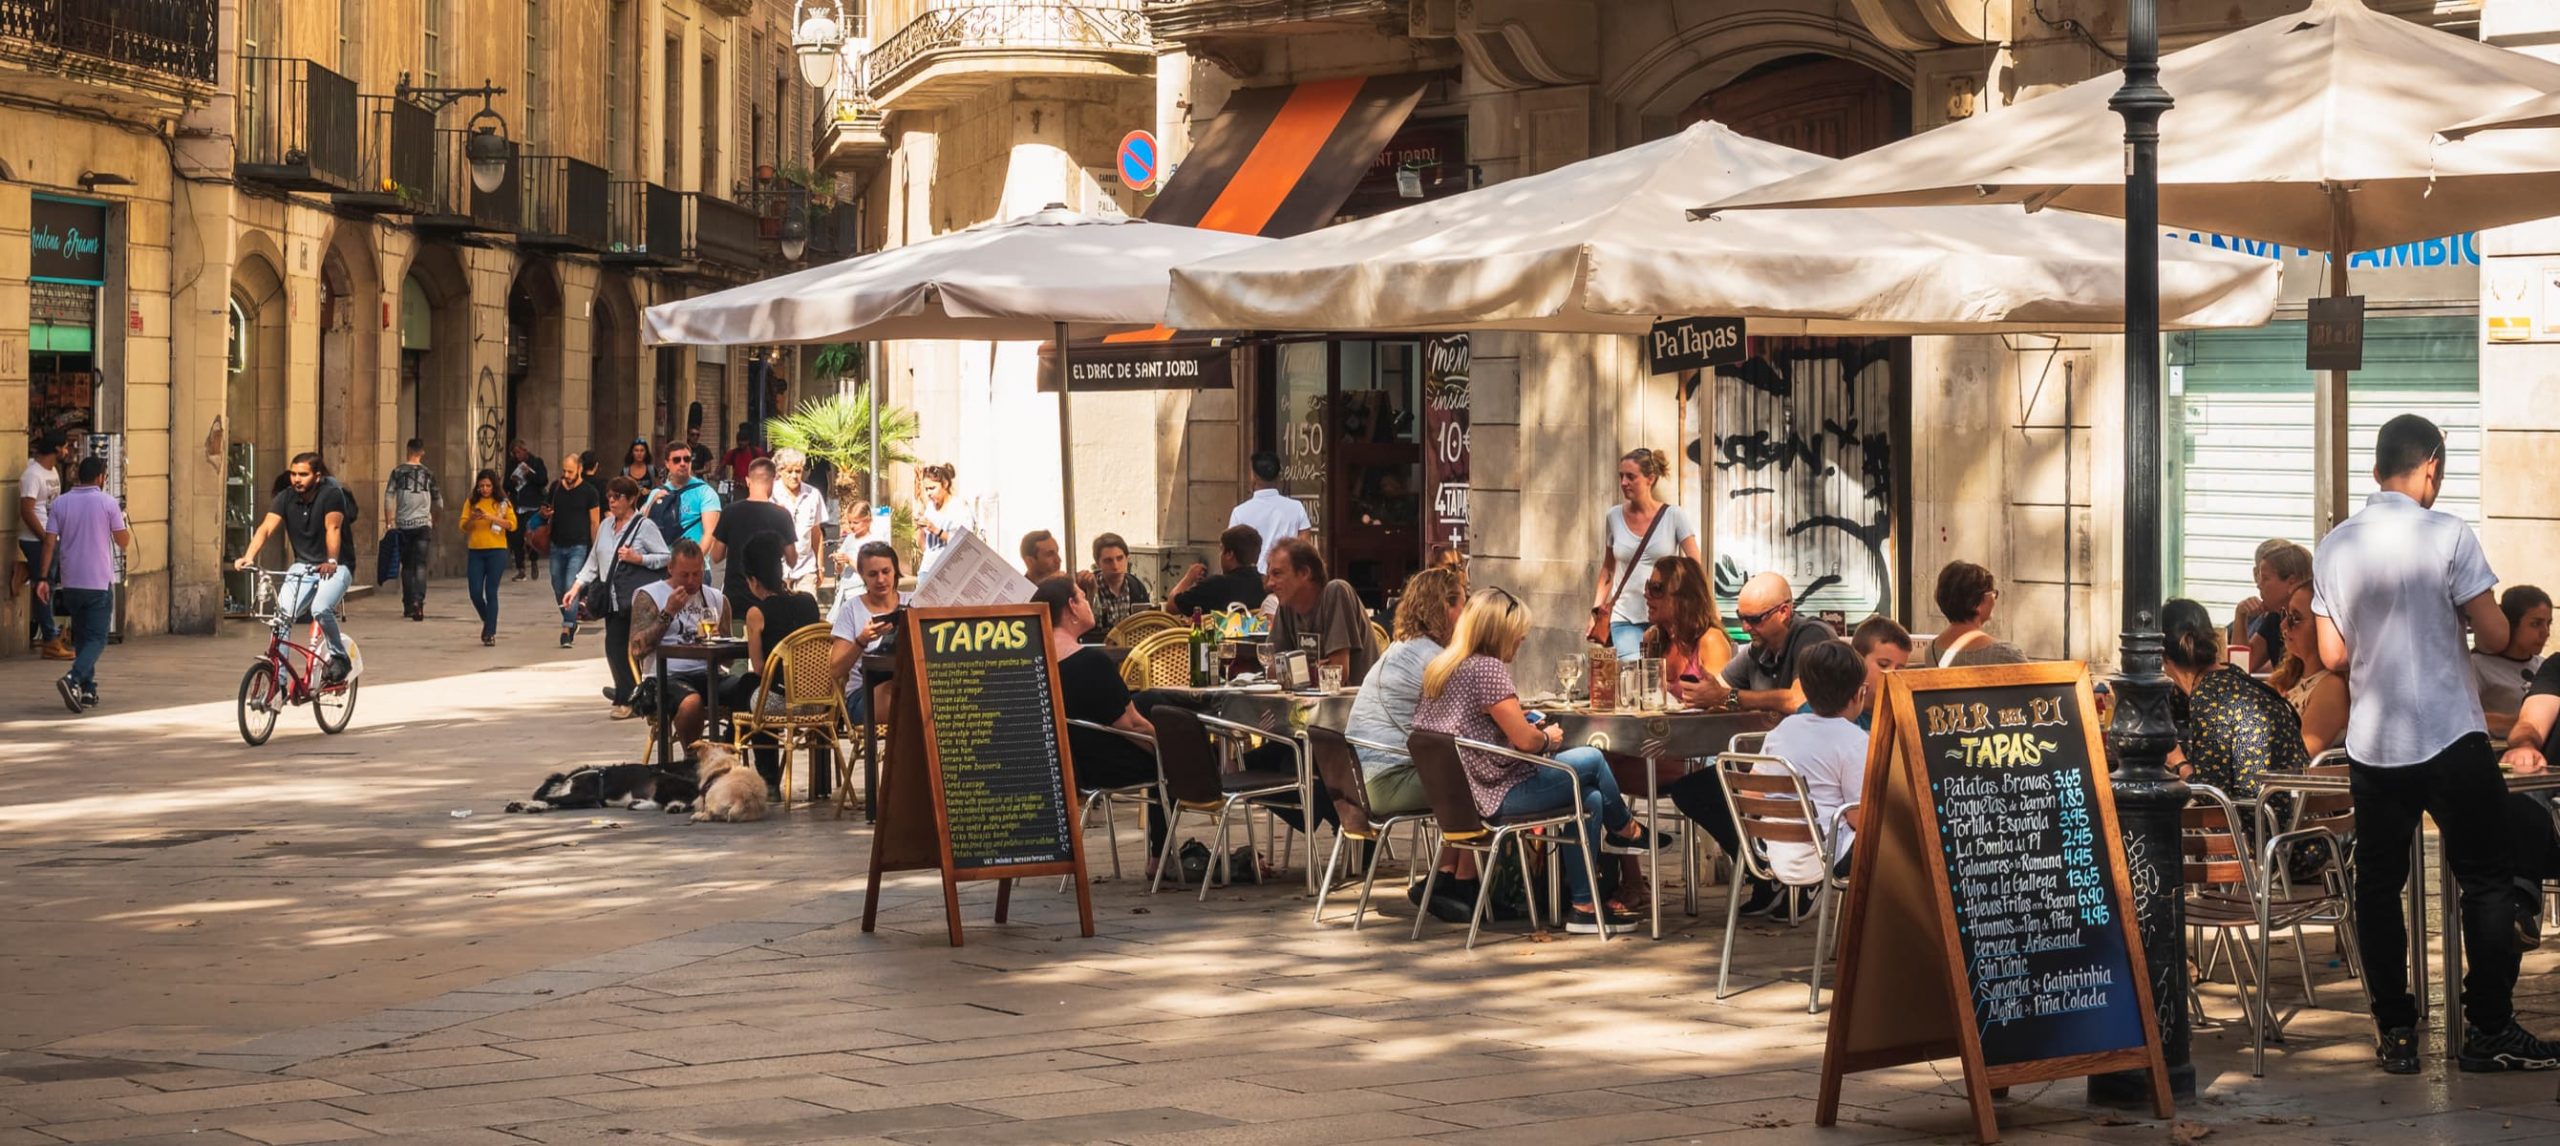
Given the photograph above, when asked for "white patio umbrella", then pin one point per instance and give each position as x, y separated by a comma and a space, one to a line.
2316, 130
1604, 246
2540, 111
1052, 274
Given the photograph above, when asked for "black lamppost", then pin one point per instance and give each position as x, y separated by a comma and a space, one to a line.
2149, 798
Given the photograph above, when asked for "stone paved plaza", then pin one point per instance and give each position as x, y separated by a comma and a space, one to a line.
205, 943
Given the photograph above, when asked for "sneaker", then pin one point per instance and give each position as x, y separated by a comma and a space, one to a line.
1449, 907
70, 693
2397, 1050
339, 667
613, 694
1762, 895
567, 636
89, 697
1641, 843
623, 712
58, 649
1793, 906
1583, 921
2511, 1048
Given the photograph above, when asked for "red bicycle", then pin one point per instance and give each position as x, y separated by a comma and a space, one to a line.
290, 673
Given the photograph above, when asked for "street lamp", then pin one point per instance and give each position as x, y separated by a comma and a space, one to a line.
795, 233
2149, 799
819, 42
488, 151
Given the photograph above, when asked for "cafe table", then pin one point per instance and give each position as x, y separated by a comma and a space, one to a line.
714, 655
2447, 892
1655, 735
1282, 713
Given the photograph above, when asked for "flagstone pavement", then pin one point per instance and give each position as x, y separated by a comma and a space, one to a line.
344, 939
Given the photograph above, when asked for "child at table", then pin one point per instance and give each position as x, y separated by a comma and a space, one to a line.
1828, 749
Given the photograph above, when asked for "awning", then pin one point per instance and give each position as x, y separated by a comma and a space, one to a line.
1280, 160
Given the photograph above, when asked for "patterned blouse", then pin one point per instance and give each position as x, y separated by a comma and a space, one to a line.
2233, 729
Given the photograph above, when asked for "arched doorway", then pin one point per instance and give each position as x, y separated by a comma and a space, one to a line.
1831, 527
532, 404
436, 378
351, 371
614, 400
253, 410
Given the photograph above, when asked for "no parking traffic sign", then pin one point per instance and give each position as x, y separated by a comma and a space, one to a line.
1138, 160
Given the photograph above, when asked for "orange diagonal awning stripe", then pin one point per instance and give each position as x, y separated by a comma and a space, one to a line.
1281, 156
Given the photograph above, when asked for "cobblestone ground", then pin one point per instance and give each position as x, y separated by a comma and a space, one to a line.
305, 942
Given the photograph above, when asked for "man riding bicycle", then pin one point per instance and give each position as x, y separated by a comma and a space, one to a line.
318, 517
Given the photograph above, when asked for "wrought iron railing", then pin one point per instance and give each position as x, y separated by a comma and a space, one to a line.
398, 167
298, 124
1106, 26
173, 36
455, 201
833, 232
719, 231
565, 201
645, 222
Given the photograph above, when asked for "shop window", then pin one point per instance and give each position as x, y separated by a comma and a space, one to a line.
1344, 419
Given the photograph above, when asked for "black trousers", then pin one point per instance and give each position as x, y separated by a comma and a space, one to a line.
413, 567
2461, 788
617, 652
1698, 798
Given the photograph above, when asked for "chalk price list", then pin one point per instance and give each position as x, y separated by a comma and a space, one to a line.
2013, 809
999, 752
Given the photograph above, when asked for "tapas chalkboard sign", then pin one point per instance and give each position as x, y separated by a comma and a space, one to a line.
980, 782
1989, 866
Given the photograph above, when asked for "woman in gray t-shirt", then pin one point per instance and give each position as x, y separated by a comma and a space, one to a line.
1632, 540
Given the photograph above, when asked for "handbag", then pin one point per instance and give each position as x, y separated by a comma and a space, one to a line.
1601, 612
537, 534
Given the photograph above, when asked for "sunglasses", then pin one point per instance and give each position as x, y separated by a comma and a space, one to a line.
1752, 620
1654, 589
679, 458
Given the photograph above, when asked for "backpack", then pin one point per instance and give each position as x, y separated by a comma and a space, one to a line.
668, 513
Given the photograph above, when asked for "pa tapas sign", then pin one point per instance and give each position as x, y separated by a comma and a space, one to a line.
1138, 160
1694, 344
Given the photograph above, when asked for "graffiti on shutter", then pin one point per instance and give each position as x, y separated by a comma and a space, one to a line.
1803, 470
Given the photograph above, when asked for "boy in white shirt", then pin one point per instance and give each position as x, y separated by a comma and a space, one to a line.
1828, 749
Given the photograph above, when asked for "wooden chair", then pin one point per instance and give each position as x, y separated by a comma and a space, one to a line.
1140, 625
1770, 804
2233, 888
798, 700
1378, 633
1453, 810
1339, 763
1160, 660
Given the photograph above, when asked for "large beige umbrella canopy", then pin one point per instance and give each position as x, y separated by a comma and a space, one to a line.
2316, 130
1050, 274
1604, 246
2540, 111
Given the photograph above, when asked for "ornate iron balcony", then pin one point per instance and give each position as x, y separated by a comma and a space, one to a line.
173, 36
1108, 26
298, 126
646, 224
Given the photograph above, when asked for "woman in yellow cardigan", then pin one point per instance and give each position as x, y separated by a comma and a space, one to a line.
487, 519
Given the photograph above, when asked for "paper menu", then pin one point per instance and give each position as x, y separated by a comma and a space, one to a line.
971, 573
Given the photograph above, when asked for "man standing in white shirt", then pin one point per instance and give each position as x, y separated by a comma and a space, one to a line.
37, 487
1275, 515
2391, 588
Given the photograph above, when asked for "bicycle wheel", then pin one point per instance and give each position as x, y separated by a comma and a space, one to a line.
335, 705
259, 703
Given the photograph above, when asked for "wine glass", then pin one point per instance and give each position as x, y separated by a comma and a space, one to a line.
1568, 674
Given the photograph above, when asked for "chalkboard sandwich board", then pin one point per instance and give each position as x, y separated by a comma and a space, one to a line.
1990, 879
979, 780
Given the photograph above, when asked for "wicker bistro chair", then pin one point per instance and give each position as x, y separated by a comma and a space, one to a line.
1158, 660
1105, 799
1457, 824
800, 700
1338, 762
1140, 625
1770, 804
1187, 757
2233, 888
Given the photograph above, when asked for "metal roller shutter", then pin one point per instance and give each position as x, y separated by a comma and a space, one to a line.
2240, 431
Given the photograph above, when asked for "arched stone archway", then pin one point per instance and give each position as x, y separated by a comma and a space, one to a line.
350, 390
614, 398
437, 377
1660, 88
254, 402
531, 408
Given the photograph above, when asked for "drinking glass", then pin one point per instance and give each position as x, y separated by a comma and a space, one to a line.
1568, 674
710, 627
1630, 685
1649, 673
1331, 676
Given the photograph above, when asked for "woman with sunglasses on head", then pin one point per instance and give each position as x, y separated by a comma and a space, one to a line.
1467, 692
2317, 692
1634, 535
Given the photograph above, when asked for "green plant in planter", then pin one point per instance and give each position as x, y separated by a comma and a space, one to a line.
838, 429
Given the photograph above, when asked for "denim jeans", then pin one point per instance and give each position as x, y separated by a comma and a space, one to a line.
302, 583
486, 569
89, 612
40, 612
1626, 639
1602, 807
413, 567
566, 560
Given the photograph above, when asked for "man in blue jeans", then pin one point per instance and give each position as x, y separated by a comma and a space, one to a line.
318, 519
83, 531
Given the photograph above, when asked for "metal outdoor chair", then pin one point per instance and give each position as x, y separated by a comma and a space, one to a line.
1159, 660
1770, 804
1458, 825
1338, 761
2234, 888
1136, 626
1187, 757
2335, 811
1149, 793
799, 700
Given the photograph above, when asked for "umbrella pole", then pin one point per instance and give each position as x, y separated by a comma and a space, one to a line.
2329, 414
1066, 450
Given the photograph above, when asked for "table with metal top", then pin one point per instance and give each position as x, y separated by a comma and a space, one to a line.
1655, 736
2447, 892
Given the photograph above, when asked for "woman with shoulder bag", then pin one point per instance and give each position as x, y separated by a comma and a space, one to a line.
1634, 536
628, 554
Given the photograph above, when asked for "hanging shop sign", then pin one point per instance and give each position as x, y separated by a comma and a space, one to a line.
1446, 363
1694, 344
66, 241
2336, 338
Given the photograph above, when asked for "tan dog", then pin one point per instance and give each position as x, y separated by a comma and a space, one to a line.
732, 793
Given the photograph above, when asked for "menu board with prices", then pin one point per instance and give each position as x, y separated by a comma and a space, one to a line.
1989, 916
978, 781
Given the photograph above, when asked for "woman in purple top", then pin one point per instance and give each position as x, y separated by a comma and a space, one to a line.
1467, 692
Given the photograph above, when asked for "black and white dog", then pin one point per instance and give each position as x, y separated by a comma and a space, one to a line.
639, 787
